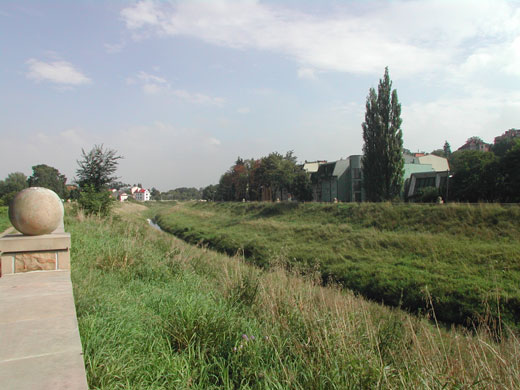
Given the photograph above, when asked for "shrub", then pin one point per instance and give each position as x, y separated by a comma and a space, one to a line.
427, 195
94, 202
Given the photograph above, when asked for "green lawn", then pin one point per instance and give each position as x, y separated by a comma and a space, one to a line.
463, 259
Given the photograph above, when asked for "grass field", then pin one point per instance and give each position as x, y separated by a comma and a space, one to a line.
463, 259
4, 218
157, 313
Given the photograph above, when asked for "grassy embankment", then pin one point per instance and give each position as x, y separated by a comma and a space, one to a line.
462, 258
157, 313
4, 218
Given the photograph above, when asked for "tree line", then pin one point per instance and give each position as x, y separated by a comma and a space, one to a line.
267, 178
492, 176
43, 176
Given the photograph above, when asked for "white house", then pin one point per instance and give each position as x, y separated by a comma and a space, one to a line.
123, 196
142, 195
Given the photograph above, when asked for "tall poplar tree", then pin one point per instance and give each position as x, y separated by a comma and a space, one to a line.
383, 164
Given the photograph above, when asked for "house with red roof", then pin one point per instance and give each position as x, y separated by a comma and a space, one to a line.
142, 195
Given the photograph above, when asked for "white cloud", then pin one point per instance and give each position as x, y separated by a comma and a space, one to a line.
198, 98
306, 73
58, 72
114, 47
409, 36
213, 141
427, 125
244, 110
150, 78
152, 85
142, 14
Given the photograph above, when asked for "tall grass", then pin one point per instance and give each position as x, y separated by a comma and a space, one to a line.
4, 218
157, 313
463, 259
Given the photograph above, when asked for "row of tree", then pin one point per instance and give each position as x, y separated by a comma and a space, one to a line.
181, 193
268, 178
43, 176
475, 175
492, 176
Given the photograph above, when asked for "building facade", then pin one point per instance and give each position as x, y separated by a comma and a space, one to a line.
142, 195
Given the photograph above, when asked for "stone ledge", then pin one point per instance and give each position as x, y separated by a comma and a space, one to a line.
39, 350
16, 243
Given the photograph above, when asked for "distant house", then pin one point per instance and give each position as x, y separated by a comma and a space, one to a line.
508, 135
475, 143
123, 196
142, 195
113, 192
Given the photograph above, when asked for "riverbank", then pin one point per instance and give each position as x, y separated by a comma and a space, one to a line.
460, 259
155, 312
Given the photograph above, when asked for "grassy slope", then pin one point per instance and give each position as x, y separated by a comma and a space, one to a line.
4, 218
156, 313
464, 257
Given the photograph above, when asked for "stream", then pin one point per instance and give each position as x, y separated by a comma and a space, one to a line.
154, 225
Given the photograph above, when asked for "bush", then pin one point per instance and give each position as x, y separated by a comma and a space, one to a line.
94, 202
427, 195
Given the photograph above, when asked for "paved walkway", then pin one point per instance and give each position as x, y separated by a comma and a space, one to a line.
40, 348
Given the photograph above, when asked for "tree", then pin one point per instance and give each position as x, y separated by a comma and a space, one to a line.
97, 167
14, 183
438, 152
475, 176
510, 174
96, 170
210, 192
117, 185
447, 149
382, 160
95, 202
155, 194
48, 177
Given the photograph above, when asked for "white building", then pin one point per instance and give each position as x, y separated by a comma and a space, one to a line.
439, 164
142, 195
123, 196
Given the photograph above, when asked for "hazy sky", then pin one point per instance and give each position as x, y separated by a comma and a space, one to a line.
183, 88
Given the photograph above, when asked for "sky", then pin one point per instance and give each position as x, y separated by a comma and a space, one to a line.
180, 89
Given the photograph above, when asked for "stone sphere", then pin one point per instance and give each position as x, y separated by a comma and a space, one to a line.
36, 211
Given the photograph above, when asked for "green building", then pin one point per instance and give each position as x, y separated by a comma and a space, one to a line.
340, 180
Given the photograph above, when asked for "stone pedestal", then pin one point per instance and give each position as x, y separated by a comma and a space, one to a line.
21, 253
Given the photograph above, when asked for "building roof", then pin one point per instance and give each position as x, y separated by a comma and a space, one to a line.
415, 168
311, 167
340, 167
438, 163
335, 168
